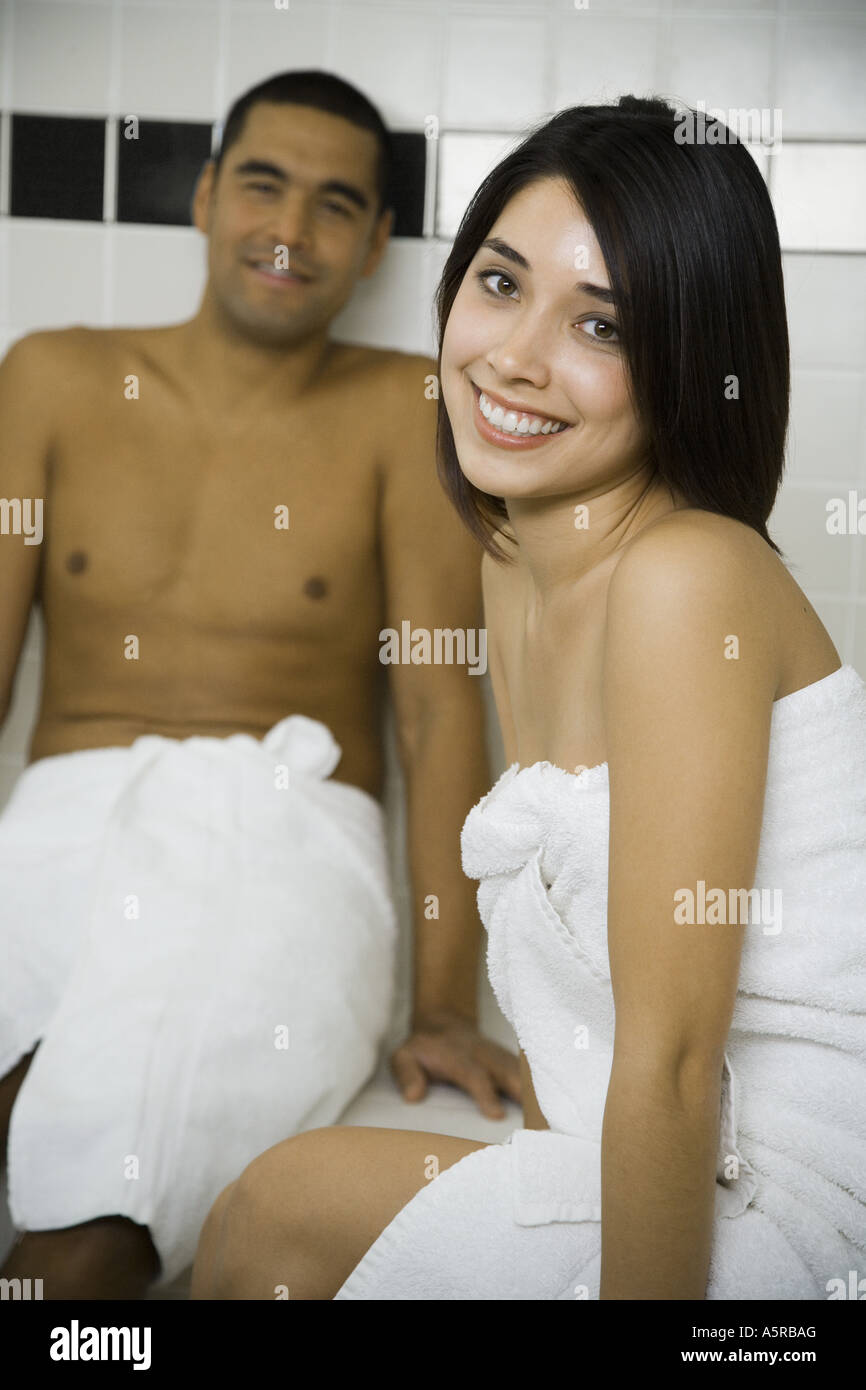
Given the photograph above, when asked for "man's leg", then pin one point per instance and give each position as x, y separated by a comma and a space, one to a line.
108, 1258
10, 1085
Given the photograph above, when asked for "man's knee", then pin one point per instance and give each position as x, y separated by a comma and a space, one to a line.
110, 1257
10, 1085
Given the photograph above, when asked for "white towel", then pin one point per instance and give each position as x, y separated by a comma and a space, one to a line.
790, 1199
200, 932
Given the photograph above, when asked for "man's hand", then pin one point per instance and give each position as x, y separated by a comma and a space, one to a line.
445, 1046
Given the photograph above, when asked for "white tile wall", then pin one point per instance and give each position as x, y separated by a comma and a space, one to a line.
155, 75
597, 57
495, 69
723, 61
820, 83
61, 56
819, 192
157, 273
397, 53
261, 40
56, 273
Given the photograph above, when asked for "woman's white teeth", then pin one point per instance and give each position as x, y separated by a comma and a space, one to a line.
512, 422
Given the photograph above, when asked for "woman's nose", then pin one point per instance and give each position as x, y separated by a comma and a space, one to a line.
522, 353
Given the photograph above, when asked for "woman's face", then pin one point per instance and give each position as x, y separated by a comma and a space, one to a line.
529, 340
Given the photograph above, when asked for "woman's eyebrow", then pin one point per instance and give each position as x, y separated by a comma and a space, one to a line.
596, 292
508, 253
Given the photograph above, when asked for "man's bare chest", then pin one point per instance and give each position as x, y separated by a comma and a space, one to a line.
251, 526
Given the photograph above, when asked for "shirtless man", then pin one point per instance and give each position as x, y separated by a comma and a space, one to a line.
162, 455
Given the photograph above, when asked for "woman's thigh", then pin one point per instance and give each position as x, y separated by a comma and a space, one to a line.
307, 1210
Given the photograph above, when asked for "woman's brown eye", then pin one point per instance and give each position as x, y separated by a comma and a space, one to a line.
603, 331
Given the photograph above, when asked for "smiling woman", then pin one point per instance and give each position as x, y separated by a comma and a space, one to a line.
678, 244
674, 715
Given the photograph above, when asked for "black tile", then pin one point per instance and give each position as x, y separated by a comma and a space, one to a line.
157, 172
57, 167
407, 182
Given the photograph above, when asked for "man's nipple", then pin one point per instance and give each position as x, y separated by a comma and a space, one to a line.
315, 587
76, 561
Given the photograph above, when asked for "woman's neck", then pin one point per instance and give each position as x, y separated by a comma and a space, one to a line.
563, 538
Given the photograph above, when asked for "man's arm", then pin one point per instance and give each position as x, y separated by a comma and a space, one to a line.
432, 581
26, 423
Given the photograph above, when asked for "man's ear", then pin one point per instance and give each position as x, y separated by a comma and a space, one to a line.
381, 232
202, 195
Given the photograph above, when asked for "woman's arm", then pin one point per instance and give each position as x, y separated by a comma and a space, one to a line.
687, 730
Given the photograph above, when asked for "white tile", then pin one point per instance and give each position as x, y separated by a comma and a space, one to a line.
834, 614
18, 725
394, 58
826, 299
60, 57
464, 161
819, 195
598, 58
34, 638
55, 273
10, 770
725, 61
817, 560
436, 254
767, 7
819, 7
643, 8
494, 71
156, 77
821, 84
159, 274
826, 425
393, 308
858, 657
6, 55
263, 41
4, 270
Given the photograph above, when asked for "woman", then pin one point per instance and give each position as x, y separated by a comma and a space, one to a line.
679, 729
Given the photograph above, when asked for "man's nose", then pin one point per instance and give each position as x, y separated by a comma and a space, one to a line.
291, 223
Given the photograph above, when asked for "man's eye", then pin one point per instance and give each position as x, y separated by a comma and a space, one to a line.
262, 187
337, 207
485, 275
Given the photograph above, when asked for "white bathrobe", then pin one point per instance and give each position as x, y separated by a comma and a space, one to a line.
521, 1220
201, 934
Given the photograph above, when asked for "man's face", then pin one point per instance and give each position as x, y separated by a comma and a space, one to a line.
300, 179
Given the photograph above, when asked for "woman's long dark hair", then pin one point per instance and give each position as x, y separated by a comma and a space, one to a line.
689, 238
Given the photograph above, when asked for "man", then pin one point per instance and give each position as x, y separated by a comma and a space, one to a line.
197, 925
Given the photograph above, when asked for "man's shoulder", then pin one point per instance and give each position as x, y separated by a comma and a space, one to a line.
78, 344
388, 366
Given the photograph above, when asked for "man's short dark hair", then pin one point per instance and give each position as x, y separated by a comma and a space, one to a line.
324, 92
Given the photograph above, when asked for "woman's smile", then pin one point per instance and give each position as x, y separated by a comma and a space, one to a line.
509, 425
